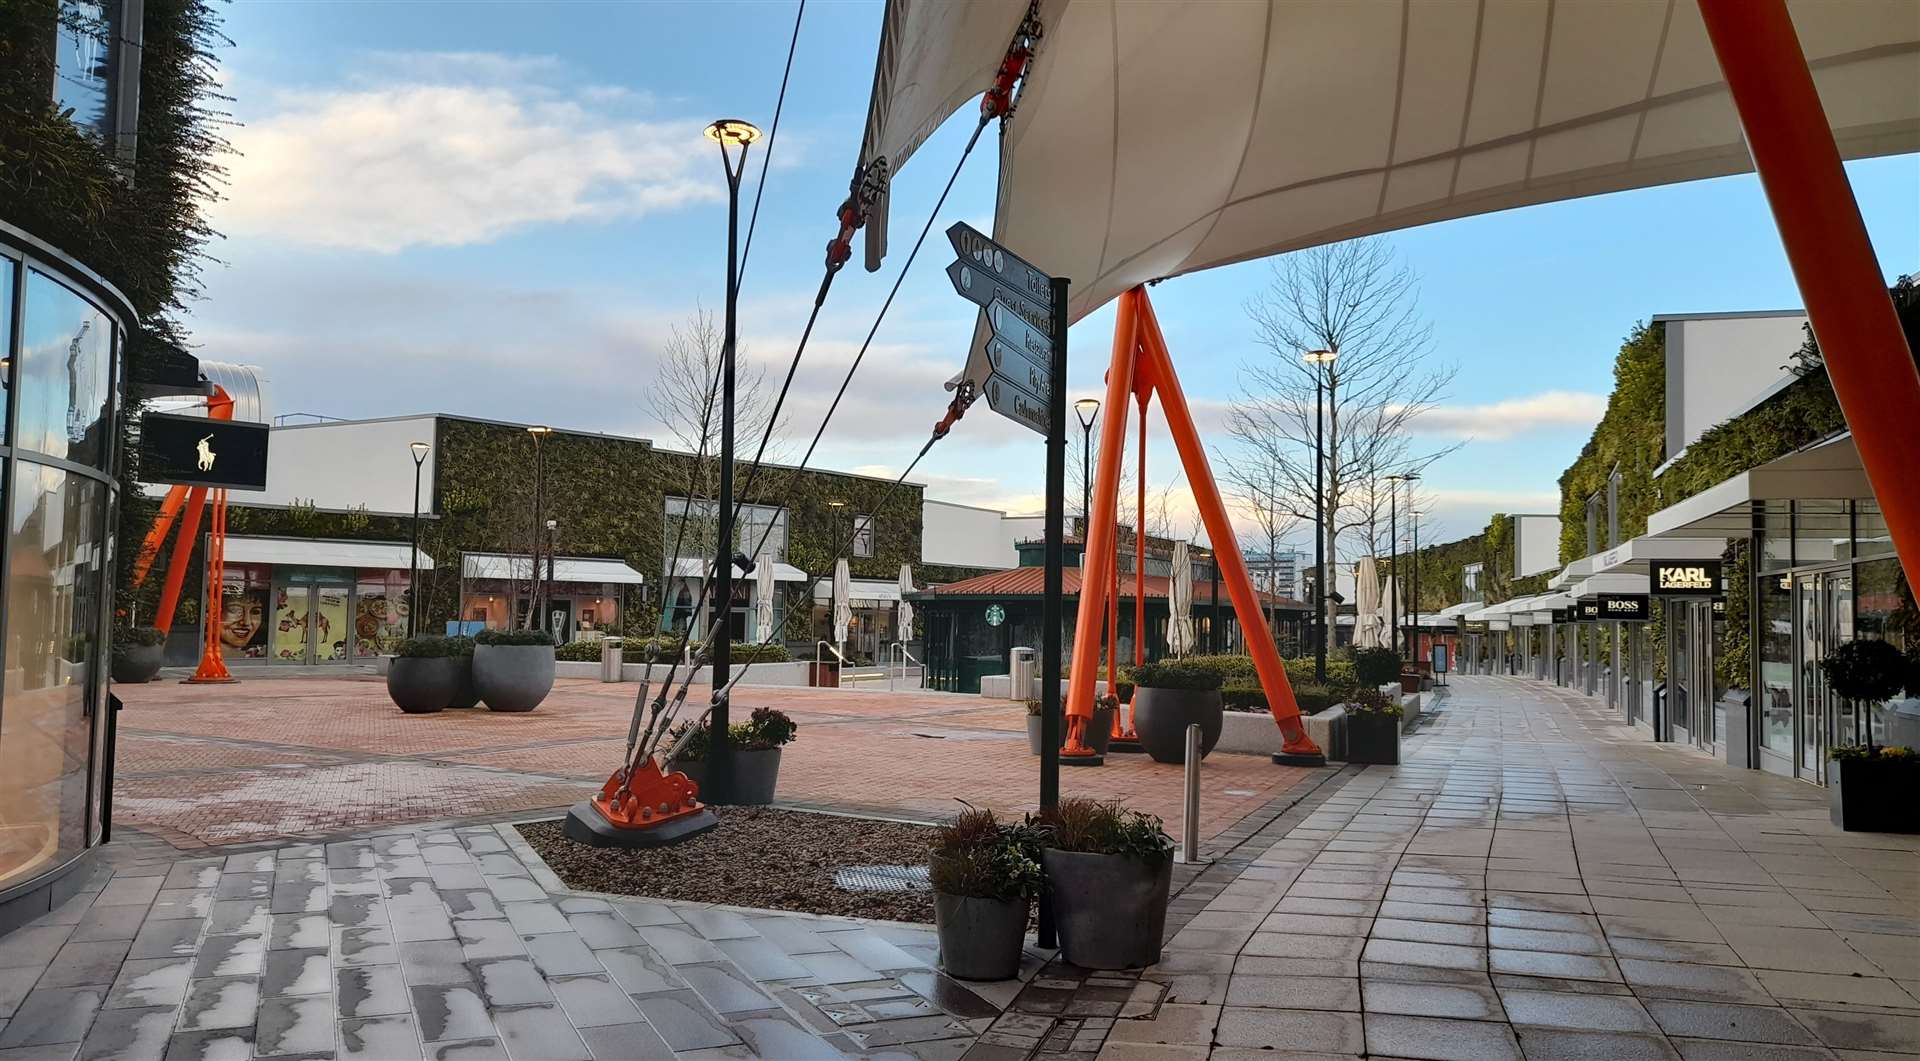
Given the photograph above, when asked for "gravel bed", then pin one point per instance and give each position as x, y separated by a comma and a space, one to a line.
756, 856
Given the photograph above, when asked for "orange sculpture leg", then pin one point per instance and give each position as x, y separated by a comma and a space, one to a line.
150, 546
1833, 262
646, 798
177, 561
213, 666
1158, 366
1099, 554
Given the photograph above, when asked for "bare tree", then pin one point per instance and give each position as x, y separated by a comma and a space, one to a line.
685, 399
1357, 302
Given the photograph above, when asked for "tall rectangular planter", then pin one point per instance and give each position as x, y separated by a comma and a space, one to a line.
1373, 737
1872, 796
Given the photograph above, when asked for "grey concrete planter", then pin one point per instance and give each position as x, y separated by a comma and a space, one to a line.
980, 939
464, 693
1034, 742
135, 664
422, 686
1099, 732
512, 677
1111, 910
755, 775
1161, 718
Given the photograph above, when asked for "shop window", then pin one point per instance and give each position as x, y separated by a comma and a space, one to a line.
863, 536
243, 610
1776, 535
694, 524
1871, 538
54, 675
380, 611
83, 79
66, 347
1822, 532
8, 272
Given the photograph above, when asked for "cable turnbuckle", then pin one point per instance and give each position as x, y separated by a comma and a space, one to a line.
866, 188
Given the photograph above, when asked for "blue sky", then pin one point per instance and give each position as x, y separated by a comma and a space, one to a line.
500, 209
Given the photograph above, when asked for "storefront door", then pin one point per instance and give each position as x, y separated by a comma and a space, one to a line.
1700, 680
1822, 620
309, 624
1680, 674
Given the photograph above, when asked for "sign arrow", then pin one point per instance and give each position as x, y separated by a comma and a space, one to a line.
1016, 404
1007, 268
982, 289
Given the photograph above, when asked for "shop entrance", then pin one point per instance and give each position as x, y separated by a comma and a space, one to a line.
310, 622
1822, 620
1690, 691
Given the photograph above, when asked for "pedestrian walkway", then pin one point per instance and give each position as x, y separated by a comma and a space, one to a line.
1537, 881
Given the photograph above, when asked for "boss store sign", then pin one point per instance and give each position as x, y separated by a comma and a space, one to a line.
196, 451
1625, 607
1686, 578
1586, 610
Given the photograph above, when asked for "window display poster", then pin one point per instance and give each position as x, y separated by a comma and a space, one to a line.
243, 613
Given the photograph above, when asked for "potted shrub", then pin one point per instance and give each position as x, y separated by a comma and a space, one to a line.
1034, 719
460, 651
512, 669
1870, 787
423, 676
1167, 698
756, 752
1374, 667
1108, 870
985, 876
138, 652
1373, 728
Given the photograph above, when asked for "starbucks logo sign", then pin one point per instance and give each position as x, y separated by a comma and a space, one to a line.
996, 615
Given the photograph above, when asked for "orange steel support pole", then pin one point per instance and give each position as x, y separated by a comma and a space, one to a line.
177, 562
213, 666
150, 546
1833, 262
1113, 620
1140, 541
1158, 366
1100, 529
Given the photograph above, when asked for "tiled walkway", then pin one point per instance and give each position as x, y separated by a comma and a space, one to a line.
1536, 881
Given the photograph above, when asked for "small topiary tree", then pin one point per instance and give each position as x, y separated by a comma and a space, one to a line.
1374, 667
1865, 672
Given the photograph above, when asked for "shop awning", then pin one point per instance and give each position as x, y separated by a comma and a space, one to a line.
1824, 471
860, 590
322, 552
1633, 556
565, 568
1572, 573
694, 567
1620, 582
1454, 612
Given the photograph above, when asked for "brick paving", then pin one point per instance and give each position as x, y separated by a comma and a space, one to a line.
314, 758
1533, 881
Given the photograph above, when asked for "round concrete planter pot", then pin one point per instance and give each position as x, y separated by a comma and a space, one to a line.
1110, 909
1161, 718
465, 695
980, 939
755, 775
135, 664
512, 677
421, 686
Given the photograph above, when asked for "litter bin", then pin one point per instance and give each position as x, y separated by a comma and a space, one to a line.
1020, 671
610, 659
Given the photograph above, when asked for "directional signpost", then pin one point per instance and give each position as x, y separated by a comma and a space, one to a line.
1022, 371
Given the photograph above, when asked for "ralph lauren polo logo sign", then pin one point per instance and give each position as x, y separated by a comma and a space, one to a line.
1686, 578
196, 451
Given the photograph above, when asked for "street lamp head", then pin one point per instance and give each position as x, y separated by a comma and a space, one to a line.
836, 504
733, 131
1320, 357
553, 524
539, 431
1086, 409
419, 451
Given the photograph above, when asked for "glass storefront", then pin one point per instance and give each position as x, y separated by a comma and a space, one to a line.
295, 615
60, 380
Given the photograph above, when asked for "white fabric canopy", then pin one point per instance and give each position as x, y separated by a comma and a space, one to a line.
1180, 616
1155, 139
1367, 618
842, 600
1392, 617
763, 591
905, 609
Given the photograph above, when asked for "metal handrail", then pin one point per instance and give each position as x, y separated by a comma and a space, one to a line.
906, 657
818, 659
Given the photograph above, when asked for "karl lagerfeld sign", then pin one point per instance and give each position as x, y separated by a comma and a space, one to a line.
1625, 607
196, 451
1686, 578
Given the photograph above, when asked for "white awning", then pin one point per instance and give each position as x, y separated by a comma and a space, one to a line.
1634, 556
860, 591
1825, 471
321, 552
1456, 611
1153, 140
565, 568
694, 567
1571, 573
1620, 582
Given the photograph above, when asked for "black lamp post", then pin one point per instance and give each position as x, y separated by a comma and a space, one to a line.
1413, 635
1318, 358
1088, 410
1393, 563
536, 620
413, 561
727, 132
546, 587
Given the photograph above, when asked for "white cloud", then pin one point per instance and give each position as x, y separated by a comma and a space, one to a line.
1514, 416
451, 149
